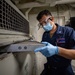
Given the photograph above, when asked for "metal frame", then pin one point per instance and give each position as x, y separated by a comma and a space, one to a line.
22, 47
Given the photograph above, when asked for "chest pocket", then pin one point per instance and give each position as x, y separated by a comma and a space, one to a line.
61, 41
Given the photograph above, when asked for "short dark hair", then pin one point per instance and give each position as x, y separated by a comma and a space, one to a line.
44, 12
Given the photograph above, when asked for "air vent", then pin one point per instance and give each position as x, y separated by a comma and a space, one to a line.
10, 19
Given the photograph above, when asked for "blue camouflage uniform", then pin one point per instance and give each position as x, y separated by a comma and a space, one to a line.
57, 65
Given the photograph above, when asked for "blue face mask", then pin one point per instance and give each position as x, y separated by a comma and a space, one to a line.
48, 27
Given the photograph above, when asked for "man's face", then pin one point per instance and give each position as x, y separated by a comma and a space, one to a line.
44, 20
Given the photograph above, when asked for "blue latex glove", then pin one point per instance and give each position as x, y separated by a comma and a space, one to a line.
47, 50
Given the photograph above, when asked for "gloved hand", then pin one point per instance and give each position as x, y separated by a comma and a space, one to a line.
47, 50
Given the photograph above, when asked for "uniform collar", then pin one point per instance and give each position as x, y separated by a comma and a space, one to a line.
59, 29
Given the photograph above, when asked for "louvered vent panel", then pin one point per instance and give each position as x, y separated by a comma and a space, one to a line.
10, 19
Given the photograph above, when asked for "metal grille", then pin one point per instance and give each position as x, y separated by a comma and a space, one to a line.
10, 19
